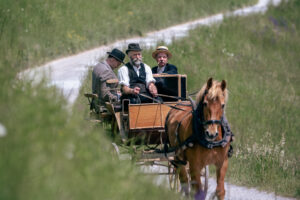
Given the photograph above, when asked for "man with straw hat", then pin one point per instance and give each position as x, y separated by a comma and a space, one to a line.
162, 55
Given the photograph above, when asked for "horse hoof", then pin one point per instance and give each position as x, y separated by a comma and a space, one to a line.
200, 195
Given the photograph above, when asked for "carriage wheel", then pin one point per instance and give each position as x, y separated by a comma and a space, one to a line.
173, 178
115, 150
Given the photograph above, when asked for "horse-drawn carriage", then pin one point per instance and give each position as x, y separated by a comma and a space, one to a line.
161, 133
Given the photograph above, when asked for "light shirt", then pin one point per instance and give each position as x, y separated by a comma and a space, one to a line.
160, 69
123, 75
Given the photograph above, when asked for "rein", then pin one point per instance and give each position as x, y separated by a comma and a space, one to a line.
157, 101
173, 97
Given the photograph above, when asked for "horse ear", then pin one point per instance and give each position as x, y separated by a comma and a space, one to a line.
209, 83
223, 85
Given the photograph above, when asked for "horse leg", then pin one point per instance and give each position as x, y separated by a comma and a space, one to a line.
195, 172
183, 177
221, 171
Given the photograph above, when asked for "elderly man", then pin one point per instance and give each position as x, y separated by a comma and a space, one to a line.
135, 78
161, 55
102, 72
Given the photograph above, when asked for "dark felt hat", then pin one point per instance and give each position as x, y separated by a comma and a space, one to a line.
133, 47
117, 54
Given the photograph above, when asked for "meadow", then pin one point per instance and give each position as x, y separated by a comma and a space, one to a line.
33, 32
46, 150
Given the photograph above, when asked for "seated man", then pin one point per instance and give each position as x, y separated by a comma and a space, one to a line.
135, 78
161, 55
102, 72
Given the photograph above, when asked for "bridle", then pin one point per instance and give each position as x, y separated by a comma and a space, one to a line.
198, 113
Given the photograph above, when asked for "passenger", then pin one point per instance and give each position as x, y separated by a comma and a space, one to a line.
101, 73
136, 80
162, 55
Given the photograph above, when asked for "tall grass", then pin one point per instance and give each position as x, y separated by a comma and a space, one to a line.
48, 154
32, 32
259, 58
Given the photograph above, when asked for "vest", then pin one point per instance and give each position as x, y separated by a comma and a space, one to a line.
135, 80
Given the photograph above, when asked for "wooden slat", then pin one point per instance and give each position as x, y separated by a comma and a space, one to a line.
143, 116
118, 118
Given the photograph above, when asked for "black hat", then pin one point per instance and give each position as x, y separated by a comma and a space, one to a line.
133, 47
117, 54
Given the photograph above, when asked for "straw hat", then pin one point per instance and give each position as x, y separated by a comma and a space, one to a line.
162, 49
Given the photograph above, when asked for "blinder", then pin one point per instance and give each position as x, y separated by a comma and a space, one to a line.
208, 122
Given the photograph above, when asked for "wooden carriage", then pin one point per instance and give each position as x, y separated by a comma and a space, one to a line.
145, 124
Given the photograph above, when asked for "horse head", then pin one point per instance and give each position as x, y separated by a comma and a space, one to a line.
211, 102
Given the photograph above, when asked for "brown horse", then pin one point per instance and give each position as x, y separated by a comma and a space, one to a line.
199, 139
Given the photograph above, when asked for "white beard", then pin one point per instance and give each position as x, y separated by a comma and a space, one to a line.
136, 62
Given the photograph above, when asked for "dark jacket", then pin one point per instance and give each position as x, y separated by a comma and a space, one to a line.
163, 84
169, 69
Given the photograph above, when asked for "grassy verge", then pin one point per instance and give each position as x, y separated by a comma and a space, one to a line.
259, 58
47, 152
32, 32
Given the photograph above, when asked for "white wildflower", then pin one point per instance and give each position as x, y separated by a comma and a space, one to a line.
282, 141
249, 150
2, 130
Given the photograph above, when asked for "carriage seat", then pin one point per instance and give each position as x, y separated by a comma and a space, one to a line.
171, 87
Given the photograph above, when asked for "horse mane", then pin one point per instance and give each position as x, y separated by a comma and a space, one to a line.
213, 93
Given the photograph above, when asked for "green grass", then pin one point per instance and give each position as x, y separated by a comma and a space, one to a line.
48, 151
259, 58
32, 31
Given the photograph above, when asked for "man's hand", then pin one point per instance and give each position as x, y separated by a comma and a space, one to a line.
128, 90
153, 89
136, 90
